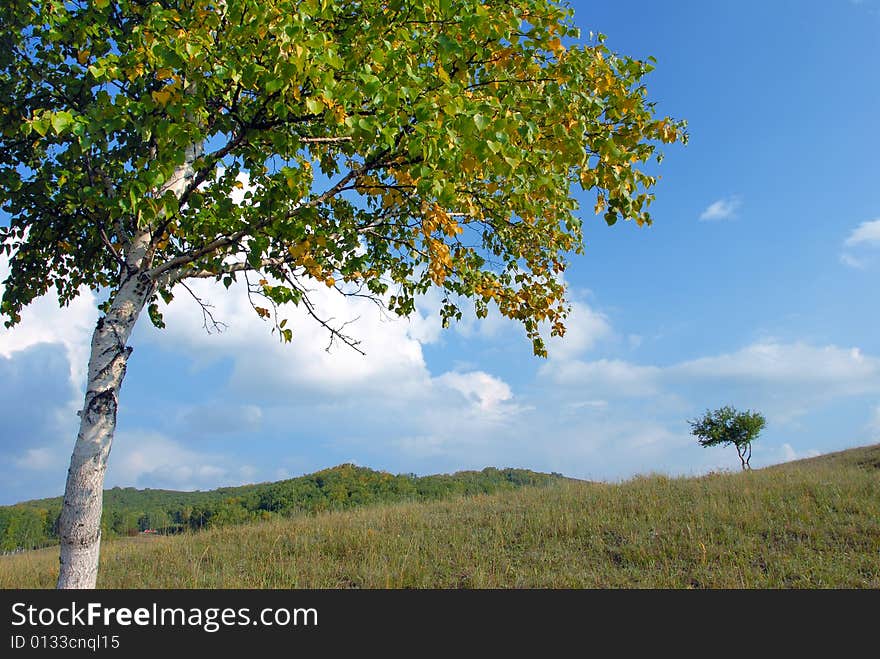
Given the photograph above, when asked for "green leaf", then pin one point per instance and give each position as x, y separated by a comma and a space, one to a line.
274, 84
61, 121
40, 126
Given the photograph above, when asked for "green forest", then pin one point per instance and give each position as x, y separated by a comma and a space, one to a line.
129, 511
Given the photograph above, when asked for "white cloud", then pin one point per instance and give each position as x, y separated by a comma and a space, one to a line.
605, 377
786, 381
788, 453
393, 354
829, 369
348, 398
39, 459
425, 325
584, 328
43, 321
546, 441
722, 209
484, 390
866, 233
150, 459
853, 262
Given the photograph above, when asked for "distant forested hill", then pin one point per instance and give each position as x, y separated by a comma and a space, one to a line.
128, 511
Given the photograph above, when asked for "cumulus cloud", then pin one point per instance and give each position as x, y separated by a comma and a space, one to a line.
145, 458
605, 376
866, 233
785, 380
340, 400
39, 459
722, 209
587, 447
38, 421
44, 321
261, 363
787, 453
484, 390
34, 395
585, 327
864, 236
830, 368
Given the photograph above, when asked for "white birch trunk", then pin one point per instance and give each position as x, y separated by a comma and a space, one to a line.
80, 523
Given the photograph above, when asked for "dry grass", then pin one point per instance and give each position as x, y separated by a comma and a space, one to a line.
813, 524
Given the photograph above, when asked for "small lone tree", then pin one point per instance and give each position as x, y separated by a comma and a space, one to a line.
381, 147
728, 426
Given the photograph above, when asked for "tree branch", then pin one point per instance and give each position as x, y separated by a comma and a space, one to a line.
323, 140
335, 333
106, 240
207, 316
233, 238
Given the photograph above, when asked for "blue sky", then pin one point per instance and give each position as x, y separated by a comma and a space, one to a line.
756, 287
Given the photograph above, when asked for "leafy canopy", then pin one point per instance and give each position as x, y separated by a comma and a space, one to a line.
728, 426
380, 147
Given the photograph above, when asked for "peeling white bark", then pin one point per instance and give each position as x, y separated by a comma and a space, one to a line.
80, 523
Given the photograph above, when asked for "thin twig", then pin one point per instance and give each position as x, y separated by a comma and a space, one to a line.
207, 316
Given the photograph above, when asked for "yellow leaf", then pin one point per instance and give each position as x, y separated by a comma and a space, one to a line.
469, 164
297, 251
83, 56
134, 72
161, 97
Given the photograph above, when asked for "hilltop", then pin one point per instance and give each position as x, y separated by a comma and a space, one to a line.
129, 511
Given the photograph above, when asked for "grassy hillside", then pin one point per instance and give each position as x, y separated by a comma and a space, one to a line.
807, 524
128, 511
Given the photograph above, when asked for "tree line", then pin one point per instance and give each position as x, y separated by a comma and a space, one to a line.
129, 511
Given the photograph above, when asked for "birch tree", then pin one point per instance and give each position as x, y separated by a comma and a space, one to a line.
380, 148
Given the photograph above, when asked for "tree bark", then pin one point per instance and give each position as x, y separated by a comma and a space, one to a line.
80, 522
741, 452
